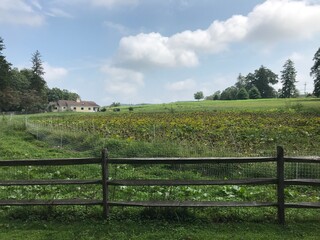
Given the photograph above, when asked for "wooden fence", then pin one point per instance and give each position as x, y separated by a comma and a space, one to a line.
279, 181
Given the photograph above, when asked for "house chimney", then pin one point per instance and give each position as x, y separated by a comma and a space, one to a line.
78, 100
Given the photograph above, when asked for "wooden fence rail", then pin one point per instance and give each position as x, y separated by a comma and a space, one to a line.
279, 181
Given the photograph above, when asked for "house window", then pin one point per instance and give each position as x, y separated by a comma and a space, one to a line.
82, 108
74, 108
89, 108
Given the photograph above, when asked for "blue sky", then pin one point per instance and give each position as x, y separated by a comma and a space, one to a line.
154, 51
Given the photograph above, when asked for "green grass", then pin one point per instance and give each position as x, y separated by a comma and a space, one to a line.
295, 104
17, 143
143, 230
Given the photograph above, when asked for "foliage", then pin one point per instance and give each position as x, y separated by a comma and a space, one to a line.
288, 79
229, 93
261, 79
315, 73
241, 82
242, 94
26, 90
215, 96
56, 94
5, 90
198, 95
258, 83
254, 93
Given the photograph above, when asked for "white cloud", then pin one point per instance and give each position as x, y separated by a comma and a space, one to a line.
154, 50
276, 20
113, 3
122, 81
188, 84
54, 73
20, 13
269, 23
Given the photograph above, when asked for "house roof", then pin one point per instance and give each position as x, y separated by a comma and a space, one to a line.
69, 103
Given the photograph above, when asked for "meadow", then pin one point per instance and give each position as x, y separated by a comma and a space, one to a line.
205, 128
241, 128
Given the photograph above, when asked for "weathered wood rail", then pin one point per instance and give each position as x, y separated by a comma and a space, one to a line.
279, 181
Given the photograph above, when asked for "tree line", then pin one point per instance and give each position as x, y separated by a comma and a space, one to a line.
26, 90
259, 84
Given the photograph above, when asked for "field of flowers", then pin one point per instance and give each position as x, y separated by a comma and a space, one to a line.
245, 133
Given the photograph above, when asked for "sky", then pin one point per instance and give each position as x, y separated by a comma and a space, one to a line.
158, 51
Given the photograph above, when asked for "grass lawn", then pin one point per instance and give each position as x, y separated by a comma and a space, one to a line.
129, 229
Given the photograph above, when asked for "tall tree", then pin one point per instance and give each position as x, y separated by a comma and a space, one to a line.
5, 90
4, 67
38, 84
37, 65
261, 79
241, 82
315, 73
288, 79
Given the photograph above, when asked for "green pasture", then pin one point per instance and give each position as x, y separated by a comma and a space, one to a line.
275, 104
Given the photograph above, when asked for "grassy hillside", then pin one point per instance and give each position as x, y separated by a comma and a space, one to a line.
300, 104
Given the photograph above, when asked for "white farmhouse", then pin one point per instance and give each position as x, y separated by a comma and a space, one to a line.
76, 106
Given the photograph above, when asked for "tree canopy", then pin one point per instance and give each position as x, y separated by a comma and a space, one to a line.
315, 73
26, 89
262, 78
198, 95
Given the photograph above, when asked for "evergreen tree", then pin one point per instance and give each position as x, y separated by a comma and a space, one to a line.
229, 93
315, 73
38, 83
288, 79
37, 67
242, 94
241, 82
254, 93
6, 92
5, 67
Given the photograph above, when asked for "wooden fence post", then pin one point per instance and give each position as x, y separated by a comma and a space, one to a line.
280, 186
105, 176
